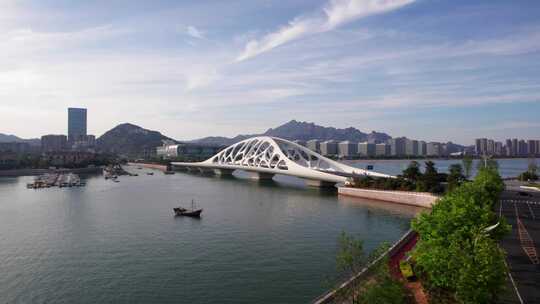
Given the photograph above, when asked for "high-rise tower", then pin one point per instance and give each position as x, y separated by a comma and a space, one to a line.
76, 124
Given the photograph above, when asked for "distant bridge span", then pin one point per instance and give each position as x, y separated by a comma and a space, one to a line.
265, 156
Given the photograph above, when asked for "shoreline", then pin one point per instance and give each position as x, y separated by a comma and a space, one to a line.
33, 172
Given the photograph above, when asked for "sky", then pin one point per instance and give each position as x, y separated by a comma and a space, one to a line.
430, 70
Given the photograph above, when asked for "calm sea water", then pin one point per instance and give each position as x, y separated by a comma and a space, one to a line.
271, 242
507, 167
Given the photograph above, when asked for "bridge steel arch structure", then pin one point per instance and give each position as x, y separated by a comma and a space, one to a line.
266, 156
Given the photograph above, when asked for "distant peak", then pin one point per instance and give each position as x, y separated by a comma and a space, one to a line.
127, 125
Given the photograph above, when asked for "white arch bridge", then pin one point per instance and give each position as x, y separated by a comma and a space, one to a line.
266, 156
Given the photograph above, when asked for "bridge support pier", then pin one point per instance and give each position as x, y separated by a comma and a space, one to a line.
179, 168
261, 175
223, 172
319, 183
205, 170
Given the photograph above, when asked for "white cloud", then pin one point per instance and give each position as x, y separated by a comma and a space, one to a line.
335, 13
339, 12
194, 32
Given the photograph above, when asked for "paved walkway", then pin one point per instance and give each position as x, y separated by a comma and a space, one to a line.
415, 287
522, 244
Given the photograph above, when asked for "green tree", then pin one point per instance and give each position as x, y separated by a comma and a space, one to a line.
467, 162
489, 180
380, 288
530, 174
455, 177
413, 171
483, 271
455, 252
430, 179
350, 257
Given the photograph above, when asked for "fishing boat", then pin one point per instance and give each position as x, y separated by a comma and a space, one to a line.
180, 211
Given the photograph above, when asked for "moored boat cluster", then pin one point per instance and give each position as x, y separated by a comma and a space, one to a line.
56, 180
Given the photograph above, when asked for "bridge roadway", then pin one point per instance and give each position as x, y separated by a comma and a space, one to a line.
318, 178
265, 156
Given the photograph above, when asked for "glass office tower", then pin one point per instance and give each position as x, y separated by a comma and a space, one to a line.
76, 123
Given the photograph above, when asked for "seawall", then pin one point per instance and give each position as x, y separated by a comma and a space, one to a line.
420, 199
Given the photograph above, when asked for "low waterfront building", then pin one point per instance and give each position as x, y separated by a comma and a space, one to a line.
366, 149
347, 149
68, 158
8, 160
329, 147
53, 143
170, 150
84, 143
14, 147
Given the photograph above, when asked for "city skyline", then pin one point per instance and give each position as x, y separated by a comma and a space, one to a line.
177, 68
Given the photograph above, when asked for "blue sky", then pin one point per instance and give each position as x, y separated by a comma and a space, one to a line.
431, 70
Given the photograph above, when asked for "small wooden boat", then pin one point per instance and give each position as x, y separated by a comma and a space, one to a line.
180, 211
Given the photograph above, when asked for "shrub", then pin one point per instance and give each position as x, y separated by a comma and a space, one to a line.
528, 176
384, 291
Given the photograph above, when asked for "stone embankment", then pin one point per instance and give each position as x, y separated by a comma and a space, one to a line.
420, 199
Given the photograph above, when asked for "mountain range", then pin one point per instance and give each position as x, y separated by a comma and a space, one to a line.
300, 130
130, 140
134, 141
13, 138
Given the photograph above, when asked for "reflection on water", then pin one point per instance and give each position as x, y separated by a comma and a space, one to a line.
379, 206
